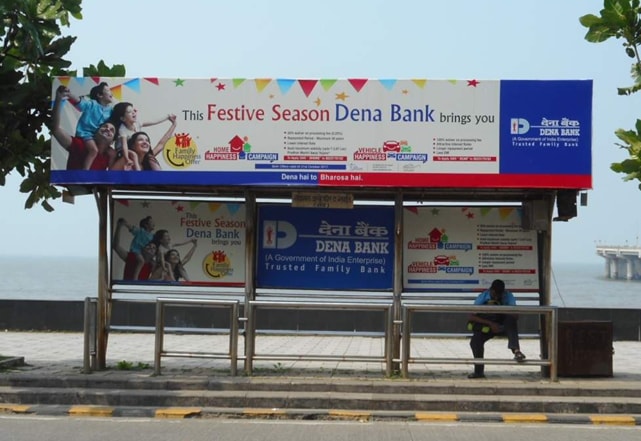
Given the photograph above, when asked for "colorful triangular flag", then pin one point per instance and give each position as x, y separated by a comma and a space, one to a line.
388, 84
262, 83
327, 84
307, 86
357, 83
284, 85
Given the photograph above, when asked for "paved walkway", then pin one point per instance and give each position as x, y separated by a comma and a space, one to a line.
55, 353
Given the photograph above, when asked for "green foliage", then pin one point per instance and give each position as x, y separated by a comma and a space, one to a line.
124, 365
621, 19
32, 50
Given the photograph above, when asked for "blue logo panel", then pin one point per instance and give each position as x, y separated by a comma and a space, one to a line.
313, 248
546, 127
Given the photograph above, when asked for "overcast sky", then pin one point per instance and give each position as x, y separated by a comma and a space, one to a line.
453, 39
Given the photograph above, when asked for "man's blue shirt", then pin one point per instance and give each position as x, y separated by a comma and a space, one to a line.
507, 298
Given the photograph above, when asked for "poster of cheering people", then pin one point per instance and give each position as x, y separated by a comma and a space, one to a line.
466, 248
178, 242
322, 132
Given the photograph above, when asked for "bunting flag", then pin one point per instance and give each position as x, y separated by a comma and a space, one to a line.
65, 81
153, 81
133, 85
452, 82
237, 82
213, 80
413, 210
193, 205
117, 92
124, 202
505, 212
420, 83
262, 83
233, 208
96, 80
284, 85
307, 86
358, 83
327, 84
388, 84
214, 206
485, 211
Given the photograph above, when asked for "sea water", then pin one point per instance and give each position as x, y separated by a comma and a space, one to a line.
577, 285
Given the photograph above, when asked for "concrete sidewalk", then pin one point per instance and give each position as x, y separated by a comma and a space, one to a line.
56, 353
52, 382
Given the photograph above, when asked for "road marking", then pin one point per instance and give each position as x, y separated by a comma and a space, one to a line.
525, 418
14, 408
427, 416
177, 412
621, 420
100, 411
352, 414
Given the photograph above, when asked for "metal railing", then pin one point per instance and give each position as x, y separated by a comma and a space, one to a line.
550, 313
232, 352
256, 305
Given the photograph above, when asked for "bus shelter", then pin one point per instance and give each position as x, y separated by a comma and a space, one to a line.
360, 190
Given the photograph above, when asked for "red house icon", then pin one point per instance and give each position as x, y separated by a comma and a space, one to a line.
435, 235
236, 144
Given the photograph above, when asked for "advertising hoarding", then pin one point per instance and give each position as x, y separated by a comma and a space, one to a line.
178, 242
466, 248
320, 249
325, 132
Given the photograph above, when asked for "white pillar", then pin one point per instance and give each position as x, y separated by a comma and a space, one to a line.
629, 272
614, 273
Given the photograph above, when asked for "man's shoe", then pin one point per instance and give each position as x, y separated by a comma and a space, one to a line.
519, 356
475, 375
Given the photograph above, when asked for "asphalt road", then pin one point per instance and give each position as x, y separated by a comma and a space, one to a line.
29, 428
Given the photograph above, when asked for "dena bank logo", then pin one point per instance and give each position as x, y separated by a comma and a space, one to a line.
278, 234
181, 151
519, 126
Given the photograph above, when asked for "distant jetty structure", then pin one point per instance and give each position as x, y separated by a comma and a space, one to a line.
621, 262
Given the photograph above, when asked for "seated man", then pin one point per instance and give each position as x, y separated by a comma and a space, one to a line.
486, 326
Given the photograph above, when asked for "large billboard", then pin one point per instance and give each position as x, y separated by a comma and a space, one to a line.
182, 242
322, 132
450, 249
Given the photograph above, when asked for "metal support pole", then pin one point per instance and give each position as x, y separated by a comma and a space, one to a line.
233, 339
389, 332
89, 329
251, 216
160, 327
554, 346
407, 332
398, 274
103, 300
250, 328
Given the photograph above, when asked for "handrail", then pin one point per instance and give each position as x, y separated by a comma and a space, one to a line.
408, 309
160, 290
250, 335
231, 354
